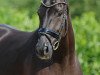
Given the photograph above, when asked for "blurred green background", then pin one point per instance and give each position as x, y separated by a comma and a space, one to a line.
85, 14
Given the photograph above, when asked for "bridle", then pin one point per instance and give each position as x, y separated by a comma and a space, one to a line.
49, 6
57, 35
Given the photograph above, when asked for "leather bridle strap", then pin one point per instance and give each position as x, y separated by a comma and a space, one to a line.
49, 6
45, 31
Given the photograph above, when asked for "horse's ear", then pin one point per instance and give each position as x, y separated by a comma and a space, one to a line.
70, 33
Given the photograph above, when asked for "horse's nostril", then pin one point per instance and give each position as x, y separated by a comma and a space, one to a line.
46, 49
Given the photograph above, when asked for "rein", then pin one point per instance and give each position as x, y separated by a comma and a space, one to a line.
57, 35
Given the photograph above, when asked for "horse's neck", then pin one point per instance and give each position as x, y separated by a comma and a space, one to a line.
69, 58
68, 63
66, 68
65, 51
67, 46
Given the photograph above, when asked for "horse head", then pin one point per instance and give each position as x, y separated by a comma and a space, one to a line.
53, 26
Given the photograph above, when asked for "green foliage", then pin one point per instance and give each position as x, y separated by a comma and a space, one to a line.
87, 34
18, 19
78, 7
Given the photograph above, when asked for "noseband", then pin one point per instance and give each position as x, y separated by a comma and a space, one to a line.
46, 31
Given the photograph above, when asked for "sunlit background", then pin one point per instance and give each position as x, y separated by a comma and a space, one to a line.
85, 14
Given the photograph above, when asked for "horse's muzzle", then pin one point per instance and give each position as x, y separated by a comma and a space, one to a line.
44, 48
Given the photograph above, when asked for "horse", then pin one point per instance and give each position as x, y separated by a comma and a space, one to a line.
50, 50
56, 29
18, 55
